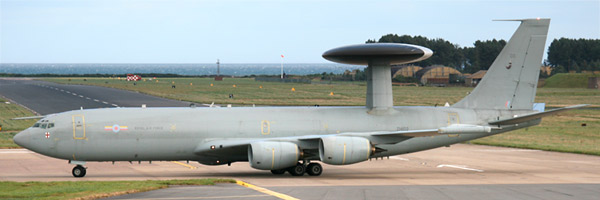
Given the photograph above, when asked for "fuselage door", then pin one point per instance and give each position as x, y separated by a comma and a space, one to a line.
78, 127
453, 118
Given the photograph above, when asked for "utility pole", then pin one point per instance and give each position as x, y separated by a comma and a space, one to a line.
218, 68
281, 66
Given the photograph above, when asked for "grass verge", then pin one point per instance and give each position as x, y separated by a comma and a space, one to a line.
10, 127
8, 111
90, 189
568, 80
563, 133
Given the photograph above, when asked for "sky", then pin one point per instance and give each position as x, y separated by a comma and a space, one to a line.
260, 31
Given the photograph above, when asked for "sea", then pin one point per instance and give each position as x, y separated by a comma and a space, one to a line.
180, 69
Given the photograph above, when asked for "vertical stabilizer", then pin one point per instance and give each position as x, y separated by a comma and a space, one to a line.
511, 81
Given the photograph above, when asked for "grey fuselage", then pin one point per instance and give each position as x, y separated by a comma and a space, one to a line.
159, 134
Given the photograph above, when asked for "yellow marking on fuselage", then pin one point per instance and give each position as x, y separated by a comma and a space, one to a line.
344, 159
75, 125
265, 127
272, 158
183, 164
266, 191
368, 149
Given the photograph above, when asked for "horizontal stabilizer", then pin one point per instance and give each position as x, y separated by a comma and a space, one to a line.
31, 117
529, 117
448, 130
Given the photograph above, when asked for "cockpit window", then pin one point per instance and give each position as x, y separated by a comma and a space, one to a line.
50, 125
43, 126
36, 125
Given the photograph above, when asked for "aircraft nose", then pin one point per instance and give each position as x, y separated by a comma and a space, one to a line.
22, 138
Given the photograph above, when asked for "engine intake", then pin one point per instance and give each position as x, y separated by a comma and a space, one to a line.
273, 155
341, 150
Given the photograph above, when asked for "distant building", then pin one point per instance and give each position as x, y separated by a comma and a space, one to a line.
474, 79
405, 70
352, 73
436, 74
547, 70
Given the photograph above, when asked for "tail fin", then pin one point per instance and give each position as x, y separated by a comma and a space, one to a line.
511, 81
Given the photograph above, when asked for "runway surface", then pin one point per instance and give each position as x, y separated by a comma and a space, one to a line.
460, 171
47, 98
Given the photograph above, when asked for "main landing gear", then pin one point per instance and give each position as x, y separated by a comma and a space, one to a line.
78, 171
312, 169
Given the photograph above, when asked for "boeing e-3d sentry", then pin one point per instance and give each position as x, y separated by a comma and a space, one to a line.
289, 139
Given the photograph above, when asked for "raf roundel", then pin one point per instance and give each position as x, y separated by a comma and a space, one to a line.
115, 128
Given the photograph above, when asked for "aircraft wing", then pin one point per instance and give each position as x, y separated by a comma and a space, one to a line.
529, 117
222, 146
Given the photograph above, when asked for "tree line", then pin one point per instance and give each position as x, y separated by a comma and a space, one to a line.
563, 54
576, 55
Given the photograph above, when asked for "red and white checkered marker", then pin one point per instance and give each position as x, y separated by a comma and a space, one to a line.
47, 134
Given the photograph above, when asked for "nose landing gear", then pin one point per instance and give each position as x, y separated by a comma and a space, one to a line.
78, 171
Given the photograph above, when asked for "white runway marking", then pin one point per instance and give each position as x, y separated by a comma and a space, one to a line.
81, 96
104, 102
68, 92
115, 105
87, 98
508, 150
460, 167
400, 158
62, 90
96, 100
15, 151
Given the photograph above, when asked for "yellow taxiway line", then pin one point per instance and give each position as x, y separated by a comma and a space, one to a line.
263, 190
183, 164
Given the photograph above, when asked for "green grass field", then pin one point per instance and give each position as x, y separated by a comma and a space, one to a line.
10, 127
90, 189
249, 92
8, 111
568, 80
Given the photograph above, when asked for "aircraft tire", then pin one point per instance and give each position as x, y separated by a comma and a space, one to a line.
314, 169
78, 171
278, 171
297, 170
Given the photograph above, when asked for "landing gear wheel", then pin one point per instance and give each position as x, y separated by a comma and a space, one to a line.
78, 171
297, 170
314, 169
278, 171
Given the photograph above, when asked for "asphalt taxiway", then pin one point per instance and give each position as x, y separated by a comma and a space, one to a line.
47, 98
457, 172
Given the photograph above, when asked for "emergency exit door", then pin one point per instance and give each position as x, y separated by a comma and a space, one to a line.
78, 127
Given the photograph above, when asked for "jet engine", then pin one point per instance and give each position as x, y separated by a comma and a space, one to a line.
342, 150
269, 155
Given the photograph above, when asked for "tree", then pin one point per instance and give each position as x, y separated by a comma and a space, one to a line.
445, 53
575, 54
482, 55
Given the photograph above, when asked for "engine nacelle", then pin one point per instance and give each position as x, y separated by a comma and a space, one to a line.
273, 155
340, 150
